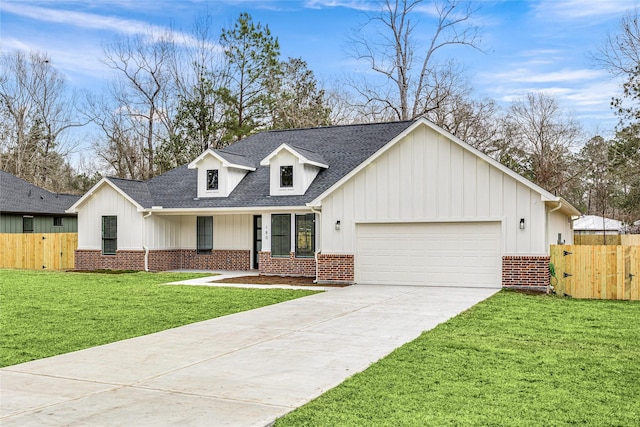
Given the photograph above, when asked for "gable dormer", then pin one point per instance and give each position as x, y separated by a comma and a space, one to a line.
219, 172
292, 170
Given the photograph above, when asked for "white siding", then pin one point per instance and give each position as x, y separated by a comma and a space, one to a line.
559, 224
106, 202
233, 232
428, 178
163, 232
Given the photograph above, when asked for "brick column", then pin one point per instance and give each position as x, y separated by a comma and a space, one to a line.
525, 272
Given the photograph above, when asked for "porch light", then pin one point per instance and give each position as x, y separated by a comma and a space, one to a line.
338, 225
521, 223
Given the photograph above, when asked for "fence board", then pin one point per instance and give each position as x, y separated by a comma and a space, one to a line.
596, 239
51, 251
630, 239
597, 271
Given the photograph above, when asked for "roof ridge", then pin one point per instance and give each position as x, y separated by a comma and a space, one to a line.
129, 179
340, 126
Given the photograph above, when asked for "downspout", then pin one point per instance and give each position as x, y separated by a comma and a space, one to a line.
144, 238
547, 225
315, 253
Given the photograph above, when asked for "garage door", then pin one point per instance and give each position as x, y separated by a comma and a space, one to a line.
429, 254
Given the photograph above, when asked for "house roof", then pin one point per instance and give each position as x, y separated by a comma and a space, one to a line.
345, 149
595, 223
341, 147
20, 196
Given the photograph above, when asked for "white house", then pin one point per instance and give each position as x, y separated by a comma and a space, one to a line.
594, 224
392, 203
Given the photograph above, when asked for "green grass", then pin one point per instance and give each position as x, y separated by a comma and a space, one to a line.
513, 360
48, 313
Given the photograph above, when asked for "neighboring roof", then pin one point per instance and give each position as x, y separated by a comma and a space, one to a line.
343, 148
20, 196
595, 223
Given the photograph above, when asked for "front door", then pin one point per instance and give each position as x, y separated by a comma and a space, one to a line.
257, 239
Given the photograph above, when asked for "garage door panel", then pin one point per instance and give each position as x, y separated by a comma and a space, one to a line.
435, 254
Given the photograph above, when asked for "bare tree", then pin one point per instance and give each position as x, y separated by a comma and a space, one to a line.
536, 128
413, 81
36, 110
620, 51
120, 147
141, 87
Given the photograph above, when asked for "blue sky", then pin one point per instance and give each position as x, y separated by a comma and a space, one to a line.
528, 45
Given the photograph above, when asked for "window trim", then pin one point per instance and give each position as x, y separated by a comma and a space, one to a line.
111, 237
283, 169
306, 217
216, 174
28, 218
204, 247
287, 254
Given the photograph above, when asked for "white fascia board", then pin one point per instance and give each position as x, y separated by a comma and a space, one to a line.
230, 211
565, 207
301, 158
104, 181
225, 163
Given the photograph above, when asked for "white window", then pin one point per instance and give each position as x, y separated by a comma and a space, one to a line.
212, 179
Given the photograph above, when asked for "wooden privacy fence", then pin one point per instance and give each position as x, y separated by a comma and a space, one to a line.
51, 251
599, 271
608, 239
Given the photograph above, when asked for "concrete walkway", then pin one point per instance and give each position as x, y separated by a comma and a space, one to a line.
245, 369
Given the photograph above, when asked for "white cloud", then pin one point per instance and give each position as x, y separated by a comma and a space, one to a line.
581, 9
564, 75
361, 5
94, 21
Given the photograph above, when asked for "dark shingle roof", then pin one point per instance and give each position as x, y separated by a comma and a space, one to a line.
19, 196
343, 148
310, 155
235, 159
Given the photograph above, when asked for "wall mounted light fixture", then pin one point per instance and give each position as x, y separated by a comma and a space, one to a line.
521, 223
338, 225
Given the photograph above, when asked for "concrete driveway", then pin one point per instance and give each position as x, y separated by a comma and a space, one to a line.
245, 369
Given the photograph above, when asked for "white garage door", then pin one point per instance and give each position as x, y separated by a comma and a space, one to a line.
429, 254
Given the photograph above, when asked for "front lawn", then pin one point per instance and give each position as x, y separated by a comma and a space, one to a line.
47, 313
513, 360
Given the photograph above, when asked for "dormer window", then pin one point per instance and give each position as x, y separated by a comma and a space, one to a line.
212, 179
292, 170
286, 176
219, 172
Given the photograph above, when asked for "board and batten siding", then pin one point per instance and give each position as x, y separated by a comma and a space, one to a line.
560, 224
425, 177
108, 201
10, 223
231, 232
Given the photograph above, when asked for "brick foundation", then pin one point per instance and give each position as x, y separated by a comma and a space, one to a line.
286, 266
217, 260
525, 272
162, 260
335, 268
122, 260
